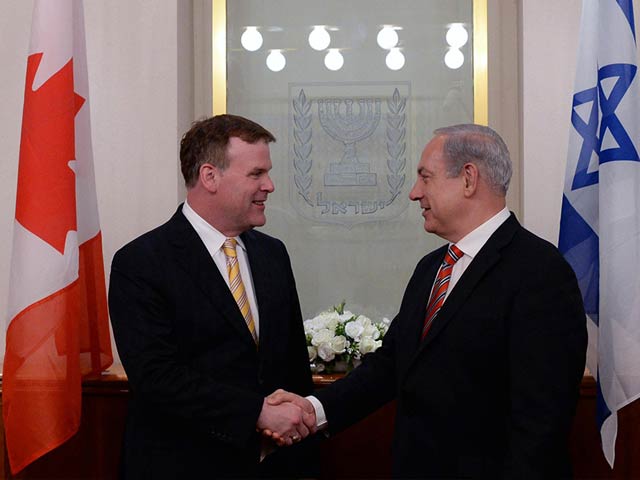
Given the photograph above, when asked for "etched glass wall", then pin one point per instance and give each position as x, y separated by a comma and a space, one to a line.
349, 138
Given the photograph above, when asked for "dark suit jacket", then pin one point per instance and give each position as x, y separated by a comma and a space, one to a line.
197, 380
492, 390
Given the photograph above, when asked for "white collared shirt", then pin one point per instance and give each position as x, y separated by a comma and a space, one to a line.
214, 240
471, 244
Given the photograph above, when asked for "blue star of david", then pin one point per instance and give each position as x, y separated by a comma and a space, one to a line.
589, 133
625, 150
592, 135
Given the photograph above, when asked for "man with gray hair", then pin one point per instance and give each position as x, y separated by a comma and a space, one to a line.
487, 351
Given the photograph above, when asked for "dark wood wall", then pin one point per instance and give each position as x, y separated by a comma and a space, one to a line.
362, 451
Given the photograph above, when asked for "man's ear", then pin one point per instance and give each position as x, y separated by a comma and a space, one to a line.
470, 177
209, 177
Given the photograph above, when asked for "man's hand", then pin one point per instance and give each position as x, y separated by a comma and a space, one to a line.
282, 397
282, 422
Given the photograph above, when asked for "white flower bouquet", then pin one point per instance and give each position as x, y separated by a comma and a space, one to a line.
337, 339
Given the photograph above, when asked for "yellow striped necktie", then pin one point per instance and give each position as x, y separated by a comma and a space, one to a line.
237, 287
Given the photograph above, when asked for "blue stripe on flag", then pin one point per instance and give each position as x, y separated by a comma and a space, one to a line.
580, 246
627, 8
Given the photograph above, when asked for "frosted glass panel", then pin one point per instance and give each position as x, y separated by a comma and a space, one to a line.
350, 120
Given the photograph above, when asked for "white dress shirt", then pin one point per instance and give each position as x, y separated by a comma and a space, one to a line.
214, 240
470, 245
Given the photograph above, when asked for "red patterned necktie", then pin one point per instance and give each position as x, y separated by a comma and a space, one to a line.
440, 287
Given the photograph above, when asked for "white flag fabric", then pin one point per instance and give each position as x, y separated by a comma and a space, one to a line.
58, 331
600, 221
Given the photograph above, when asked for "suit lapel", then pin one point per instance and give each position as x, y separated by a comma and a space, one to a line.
193, 257
410, 338
484, 261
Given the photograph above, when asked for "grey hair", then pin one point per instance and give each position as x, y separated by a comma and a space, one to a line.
482, 146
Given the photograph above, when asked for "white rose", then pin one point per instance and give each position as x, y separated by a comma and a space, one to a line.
383, 326
338, 344
371, 331
325, 352
309, 326
327, 320
333, 323
313, 353
365, 321
332, 315
315, 323
354, 330
321, 336
368, 345
320, 322
345, 316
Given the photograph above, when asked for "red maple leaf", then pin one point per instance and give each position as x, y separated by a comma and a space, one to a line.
46, 196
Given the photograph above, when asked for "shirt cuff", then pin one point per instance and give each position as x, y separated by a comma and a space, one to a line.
267, 447
321, 418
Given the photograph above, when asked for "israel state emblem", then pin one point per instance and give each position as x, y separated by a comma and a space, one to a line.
348, 151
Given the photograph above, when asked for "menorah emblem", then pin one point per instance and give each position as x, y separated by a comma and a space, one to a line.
348, 127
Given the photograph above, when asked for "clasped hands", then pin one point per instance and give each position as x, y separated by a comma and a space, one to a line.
286, 418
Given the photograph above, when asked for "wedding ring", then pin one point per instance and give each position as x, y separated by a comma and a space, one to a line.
295, 438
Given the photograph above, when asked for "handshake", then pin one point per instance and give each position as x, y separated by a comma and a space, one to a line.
286, 418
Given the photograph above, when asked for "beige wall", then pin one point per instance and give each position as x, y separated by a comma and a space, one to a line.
549, 47
504, 99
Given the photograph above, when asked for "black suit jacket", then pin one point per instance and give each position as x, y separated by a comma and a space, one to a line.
197, 380
492, 390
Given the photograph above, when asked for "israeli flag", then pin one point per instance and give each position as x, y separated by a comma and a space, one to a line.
600, 222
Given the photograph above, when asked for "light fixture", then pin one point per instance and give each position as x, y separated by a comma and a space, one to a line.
333, 60
276, 61
454, 58
251, 39
387, 37
394, 59
457, 35
319, 38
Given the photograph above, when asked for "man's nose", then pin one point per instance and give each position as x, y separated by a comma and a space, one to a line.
269, 186
415, 193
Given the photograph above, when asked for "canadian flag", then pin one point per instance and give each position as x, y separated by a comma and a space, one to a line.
58, 331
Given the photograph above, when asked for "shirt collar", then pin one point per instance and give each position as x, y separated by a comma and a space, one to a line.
212, 238
472, 242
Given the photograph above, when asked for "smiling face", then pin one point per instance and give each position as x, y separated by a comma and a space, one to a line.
243, 187
441, 198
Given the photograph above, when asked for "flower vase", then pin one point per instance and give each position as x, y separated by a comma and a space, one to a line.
317, 367
340, 366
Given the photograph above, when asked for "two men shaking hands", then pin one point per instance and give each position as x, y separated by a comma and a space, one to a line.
484, 357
